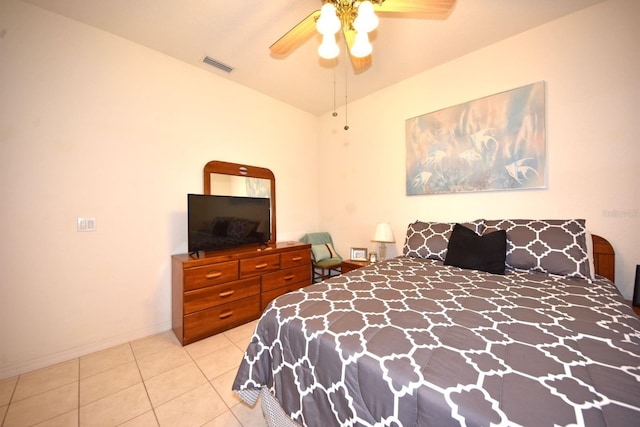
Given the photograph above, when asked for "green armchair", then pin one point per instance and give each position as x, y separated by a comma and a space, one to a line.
326, 261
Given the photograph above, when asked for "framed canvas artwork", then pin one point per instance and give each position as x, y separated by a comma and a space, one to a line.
488, 144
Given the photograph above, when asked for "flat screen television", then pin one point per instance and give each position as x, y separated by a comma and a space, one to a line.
223, 222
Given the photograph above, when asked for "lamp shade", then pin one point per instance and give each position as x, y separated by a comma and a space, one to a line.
328, 23
383, 233
366, 21
361, 47
329, 48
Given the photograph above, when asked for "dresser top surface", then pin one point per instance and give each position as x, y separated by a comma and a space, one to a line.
239, 253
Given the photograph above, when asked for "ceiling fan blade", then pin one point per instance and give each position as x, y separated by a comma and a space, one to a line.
359, 64
296, 36
426, 8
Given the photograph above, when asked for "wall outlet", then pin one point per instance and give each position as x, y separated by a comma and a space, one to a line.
87, 224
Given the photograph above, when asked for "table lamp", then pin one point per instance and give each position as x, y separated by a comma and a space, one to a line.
383, 236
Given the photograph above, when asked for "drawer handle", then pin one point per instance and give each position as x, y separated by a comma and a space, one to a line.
213, 275
261, 266
226, 293
296, 259
289, 277
226, 314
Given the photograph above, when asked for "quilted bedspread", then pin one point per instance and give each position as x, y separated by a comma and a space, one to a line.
411, 342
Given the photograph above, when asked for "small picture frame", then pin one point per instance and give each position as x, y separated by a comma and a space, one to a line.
373, 257
359, 254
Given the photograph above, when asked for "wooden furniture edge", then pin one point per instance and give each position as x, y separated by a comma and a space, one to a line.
244, 252
603, 257
351, 264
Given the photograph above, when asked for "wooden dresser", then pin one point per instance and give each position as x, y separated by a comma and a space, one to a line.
225, 289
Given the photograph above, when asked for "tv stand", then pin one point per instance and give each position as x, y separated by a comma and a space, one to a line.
220, 290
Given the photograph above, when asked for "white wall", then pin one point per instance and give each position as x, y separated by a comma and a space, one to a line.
590, 63
92, 125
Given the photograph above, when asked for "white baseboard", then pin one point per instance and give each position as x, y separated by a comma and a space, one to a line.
63, 356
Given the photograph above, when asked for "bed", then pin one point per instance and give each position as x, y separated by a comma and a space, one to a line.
418, 340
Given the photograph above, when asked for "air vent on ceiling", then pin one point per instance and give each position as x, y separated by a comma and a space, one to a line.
219, 65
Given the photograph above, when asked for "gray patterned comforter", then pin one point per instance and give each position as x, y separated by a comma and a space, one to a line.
411, 342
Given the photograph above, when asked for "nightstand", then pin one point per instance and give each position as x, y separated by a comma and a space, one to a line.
352, 264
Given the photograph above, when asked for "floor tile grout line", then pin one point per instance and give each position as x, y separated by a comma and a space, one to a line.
144, 384
13, 392
175, 397
214, 387
15, 388
195, 362
234, 342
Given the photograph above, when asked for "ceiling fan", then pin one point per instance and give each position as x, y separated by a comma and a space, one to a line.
350, 16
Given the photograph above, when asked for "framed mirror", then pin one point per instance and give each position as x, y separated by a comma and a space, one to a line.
233, 179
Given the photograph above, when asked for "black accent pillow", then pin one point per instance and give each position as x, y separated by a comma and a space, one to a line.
469, 250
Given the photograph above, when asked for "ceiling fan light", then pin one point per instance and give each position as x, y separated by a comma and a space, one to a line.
328, 49
328, 23
327, 8
361, 46
366, 21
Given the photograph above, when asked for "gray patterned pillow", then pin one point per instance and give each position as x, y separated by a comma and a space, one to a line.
430, 239
548, 246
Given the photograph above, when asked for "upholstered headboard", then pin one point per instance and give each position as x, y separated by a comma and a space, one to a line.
604, 258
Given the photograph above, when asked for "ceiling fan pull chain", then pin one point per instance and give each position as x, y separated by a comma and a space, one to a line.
346, 95
335, 113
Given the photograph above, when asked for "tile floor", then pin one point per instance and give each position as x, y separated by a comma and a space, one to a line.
153, 381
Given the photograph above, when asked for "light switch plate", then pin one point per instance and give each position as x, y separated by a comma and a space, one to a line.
87, 224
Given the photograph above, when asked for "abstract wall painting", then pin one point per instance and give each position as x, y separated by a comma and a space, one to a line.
488, 144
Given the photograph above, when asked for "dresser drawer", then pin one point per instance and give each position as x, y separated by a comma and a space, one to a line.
224, 289
295, 259
199, 277
269, 296
204, 323
212, 296
259, 265
282, 278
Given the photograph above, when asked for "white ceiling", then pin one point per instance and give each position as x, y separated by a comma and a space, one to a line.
238, 33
